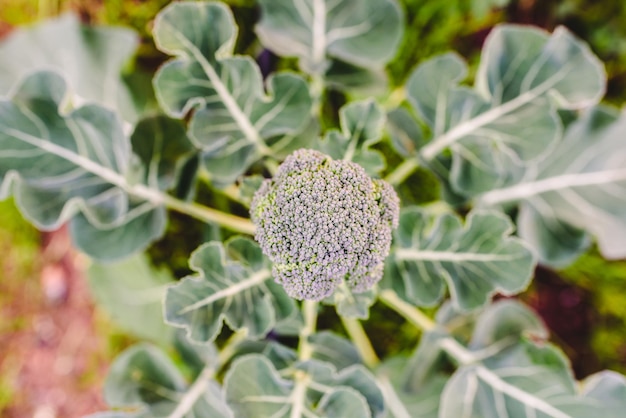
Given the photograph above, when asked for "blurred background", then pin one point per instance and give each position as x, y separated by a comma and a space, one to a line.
55, 344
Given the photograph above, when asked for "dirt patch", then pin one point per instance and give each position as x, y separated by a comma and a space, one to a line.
53, 356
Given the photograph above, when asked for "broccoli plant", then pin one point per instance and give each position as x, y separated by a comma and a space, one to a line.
316, 164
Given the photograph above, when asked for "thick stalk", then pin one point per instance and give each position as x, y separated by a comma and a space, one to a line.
305, 351
361, 341
417, 318
200, 385
206, 214
402, 171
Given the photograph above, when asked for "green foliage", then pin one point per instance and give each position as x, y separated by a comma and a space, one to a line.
526, 138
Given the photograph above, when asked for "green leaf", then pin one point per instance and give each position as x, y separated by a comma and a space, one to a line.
91, 57
404, 402
526, 381
580, 186
162, 147
234, 117
475, 261
254, 388
231, 284
144, 377
74, 167
361, 127
326, 35
431, 99
131, 292
406, 135
510, 119
506, 321
350, 304
608, 388
331, 348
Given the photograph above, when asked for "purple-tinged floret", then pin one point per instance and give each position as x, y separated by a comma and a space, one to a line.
323, 222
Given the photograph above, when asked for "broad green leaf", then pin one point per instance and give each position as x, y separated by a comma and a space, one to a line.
510, 119
130, 292
525, 381
475, 260
403, 402
609, 388
331, 348
580, 186
510, 370
406, 135
505, 322
232, 283
91, 57
281, 357
355, 377
254, 388
333, 38
429, 86
143, 377
162, 146
73, 166
361, 127
234, 119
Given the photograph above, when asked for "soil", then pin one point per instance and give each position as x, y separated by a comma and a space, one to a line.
53, 357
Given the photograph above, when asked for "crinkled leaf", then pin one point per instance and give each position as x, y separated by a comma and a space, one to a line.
406, 135
333, 35
355, 377
351, 304
130, 292
73, 167
526, 381
331, 348
91, 57
429, 86
232, 283
580, 187
162, 146
254, 388
361, 127
144, 377
510, 120
506, 321
609, 389
234, 117
403, 402
475, 260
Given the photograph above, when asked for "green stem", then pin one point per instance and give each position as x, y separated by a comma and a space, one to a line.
203, 213
402, 172
305, 352
230, 347
361, 341
451, 346
411, 313
309, 311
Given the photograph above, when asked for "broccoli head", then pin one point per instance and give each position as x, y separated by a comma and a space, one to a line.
324, 222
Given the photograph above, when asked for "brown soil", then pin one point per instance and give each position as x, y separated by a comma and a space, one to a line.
52, 356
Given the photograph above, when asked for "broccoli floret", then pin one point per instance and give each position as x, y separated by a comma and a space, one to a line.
323, 222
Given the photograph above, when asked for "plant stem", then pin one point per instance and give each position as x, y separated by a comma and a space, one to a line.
451, 346
361, 341
309, 311
403, 171
305, 351
194, 393
411, 313
206, 214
